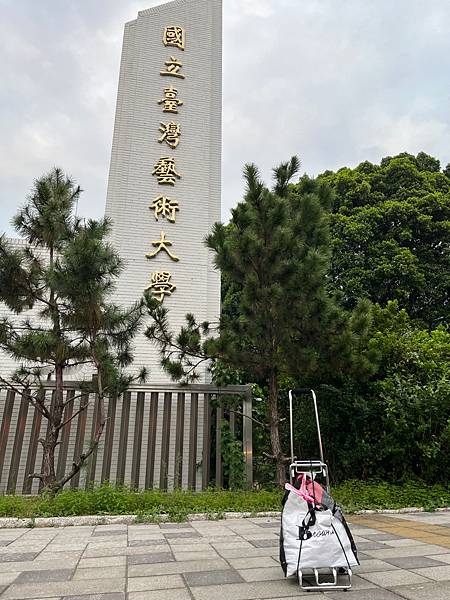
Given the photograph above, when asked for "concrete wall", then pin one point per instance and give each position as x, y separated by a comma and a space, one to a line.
135, 151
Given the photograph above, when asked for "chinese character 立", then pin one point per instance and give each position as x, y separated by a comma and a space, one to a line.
173, 68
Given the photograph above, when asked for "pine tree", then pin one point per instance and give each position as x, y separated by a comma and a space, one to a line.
66, 273
276, 252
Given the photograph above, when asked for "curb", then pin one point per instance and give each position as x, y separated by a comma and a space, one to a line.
93, 520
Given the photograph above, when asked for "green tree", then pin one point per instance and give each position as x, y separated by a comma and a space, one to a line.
391, 234
275, 253
66, 273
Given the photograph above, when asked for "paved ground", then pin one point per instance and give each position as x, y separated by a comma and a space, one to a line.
405, 556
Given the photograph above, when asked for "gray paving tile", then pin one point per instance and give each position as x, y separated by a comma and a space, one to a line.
392, 578
441, 573
370, 546
427, 550
153, 542
191, 566
5, 542
95, 573
156, 557
19, 557
269, 543
181, 534
173, 594
7, 578
169, 526
414, 562
273, 573
373, 565
252, 563
249, 591
39, 576
369, 594
269, 525
159, 582
113, 596
426, 591
200, 578
108, 532
383, 537
67, 588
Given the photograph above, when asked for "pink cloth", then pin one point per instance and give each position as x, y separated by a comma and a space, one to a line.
309, 491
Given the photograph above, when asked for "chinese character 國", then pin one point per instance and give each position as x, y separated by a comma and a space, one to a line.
170, 134
173, 67
160, 285
166, 207
162, 244
174, 36
171, 101
165, 171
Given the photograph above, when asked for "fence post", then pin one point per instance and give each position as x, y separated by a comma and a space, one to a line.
247, 429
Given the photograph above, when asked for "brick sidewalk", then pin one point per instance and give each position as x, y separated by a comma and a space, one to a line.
402, 556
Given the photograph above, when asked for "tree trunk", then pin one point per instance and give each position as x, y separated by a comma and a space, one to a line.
274, 422
51, 439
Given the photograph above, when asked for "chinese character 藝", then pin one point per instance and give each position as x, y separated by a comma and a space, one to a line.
174, 36
162, 244
170, 134
166, 207
173, 67
161, 285
165, 171
171, 101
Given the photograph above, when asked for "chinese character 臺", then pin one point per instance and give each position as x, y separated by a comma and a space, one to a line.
173, 67
166, 207
170, 134
174, 36
160, 285
171, 101
162, 244
165, 171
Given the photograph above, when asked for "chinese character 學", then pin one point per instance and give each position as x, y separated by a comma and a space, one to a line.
173, 67
166, 207
174, 36
171, 101
162, 244
165, 171
161, 285
170, 134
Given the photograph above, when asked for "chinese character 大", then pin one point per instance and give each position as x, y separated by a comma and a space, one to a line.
162, 244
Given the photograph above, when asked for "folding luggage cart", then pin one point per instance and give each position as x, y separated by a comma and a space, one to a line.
314, 535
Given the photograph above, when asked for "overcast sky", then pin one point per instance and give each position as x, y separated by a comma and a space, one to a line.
334, 81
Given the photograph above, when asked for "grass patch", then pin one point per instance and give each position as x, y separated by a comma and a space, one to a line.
149, 505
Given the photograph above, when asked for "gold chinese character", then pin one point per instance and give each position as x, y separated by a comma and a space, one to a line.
174, 36
170, 134
173, 68
162, 244
166, 207
171, 101
161, 285
165, 171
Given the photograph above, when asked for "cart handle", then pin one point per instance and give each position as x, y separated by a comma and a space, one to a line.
297, 392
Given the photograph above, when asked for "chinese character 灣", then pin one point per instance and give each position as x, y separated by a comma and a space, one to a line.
170, 134
171, 101
165, 171
174, 36
166, 207
173, 68
162, 244
161, 285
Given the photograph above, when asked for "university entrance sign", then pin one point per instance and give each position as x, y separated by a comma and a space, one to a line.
164, 183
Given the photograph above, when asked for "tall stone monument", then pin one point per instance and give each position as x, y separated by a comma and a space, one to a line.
164, 181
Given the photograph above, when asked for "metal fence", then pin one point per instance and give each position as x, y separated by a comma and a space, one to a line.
158, 436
